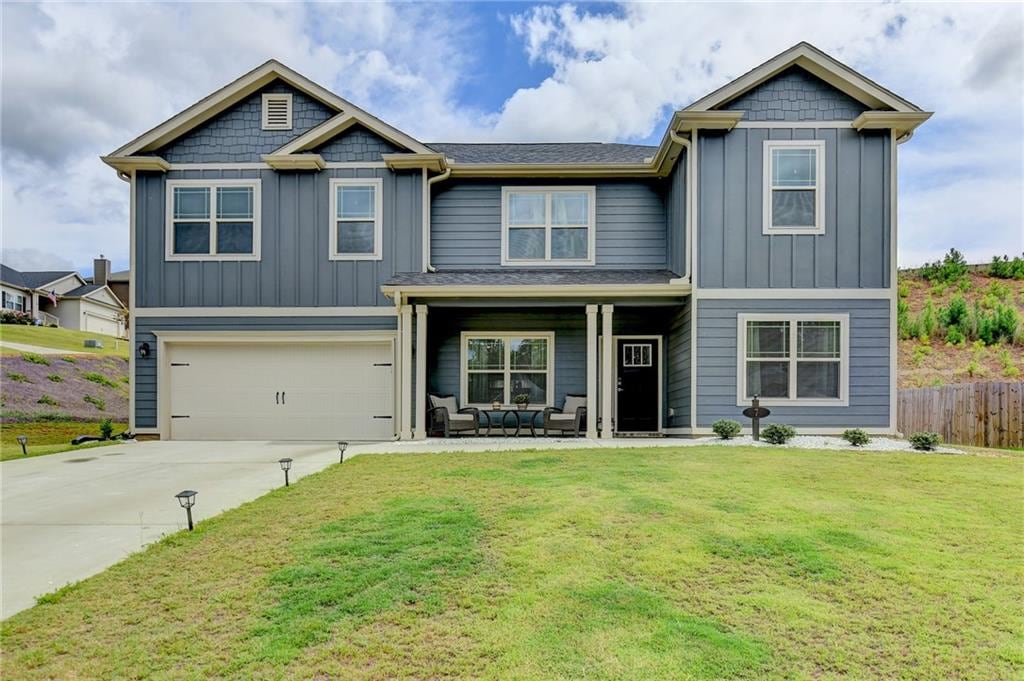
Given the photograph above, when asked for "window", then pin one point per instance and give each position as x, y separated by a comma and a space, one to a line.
13, 301
356, 225
499, 366
213, 220
799, 359
277, 111
794, 200
636, 354
545, 226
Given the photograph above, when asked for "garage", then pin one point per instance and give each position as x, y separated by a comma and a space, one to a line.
98, 322
280, 391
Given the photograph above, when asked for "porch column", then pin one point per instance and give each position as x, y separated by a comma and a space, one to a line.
592, 401
406, 393
421, 372
607, 386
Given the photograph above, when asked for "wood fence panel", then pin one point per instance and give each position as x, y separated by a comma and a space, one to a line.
978, 414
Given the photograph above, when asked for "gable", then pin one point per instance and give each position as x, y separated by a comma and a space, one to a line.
356, 144
237, 135
795, 95
105, 296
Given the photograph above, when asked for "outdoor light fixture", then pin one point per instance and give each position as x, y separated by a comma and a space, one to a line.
23, 440
342, 446
144, 350
187, 499
286, 465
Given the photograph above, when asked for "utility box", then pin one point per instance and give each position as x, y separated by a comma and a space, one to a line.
93, 343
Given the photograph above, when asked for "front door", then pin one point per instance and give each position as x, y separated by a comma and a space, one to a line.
637, 377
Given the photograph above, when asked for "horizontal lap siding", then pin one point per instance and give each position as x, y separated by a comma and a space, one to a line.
145, 384
631, 224
869, 362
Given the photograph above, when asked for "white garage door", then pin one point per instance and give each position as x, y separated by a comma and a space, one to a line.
281, 391
95, 323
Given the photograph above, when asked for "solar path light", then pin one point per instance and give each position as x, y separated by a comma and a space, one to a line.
286, 465
342, 446
23, 440
187, 499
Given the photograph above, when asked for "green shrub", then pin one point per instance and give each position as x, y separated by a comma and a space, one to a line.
99, 378
906, 327
726, 428
856, 437
925, 441
106, 428
954, 336
1010, 370
999, 325
17, 377
956, 313
927, 321
46, 399
69, 359
965, 285
35, 358
1004, 268
96, 402
903, 289
950, 269
55, 378
778, 434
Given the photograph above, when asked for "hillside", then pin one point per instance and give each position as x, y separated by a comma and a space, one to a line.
39, 387
945, 341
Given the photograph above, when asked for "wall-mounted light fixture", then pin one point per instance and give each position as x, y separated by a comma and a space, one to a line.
143, 350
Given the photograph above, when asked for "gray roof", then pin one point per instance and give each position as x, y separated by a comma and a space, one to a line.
114, 277
30, 280
81, 291
567, 152
527, 277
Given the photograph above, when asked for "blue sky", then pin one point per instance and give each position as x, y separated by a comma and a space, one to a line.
78, 80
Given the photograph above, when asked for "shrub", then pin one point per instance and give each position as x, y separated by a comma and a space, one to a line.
35, 359
99, 378
46, 399
856, 437
1004, 268
69, 359
954, 336
956, 313
904, 289
999, 325
96, 402
778, 433
1010, 370
726, 428
14, 317
950, 269
106, 428
924, 441
927, 321
17, 377
906, 327
55, 378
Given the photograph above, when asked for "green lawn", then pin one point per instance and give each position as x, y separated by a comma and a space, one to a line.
48, 437
682, 563
61, 339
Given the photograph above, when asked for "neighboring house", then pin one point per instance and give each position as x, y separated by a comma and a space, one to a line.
118, 282
303, 270
79, 305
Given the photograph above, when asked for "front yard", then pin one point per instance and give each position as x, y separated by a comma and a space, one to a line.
699, 562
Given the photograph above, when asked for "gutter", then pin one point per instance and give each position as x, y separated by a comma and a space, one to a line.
427, 267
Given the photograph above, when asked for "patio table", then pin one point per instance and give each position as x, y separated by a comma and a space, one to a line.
518, 416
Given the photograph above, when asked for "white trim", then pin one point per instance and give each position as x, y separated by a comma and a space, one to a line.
421, 373
795, 293
131, 305
406, 432
466, 336
212, 220
254, 311
269, 97
255, 165
592, 366
844, 359
378, 217
768, 188
607, 369
893, 284
694, 287
795, 124
541, 290
356, 164
661, 377
548, 192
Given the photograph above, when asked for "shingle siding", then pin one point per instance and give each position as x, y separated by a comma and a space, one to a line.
355, 145
796, 95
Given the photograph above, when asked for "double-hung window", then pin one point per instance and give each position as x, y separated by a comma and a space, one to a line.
356, 220
14, 301
547, 226
794, 182
213, 220
496, 367
799, 359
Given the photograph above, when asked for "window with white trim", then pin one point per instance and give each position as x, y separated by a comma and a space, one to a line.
498, 366
636, 355
800, 359
794, 181
13, 301
277, 111
213, 220
356, 219
547, 225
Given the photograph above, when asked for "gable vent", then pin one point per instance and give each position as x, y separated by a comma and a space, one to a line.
277, 112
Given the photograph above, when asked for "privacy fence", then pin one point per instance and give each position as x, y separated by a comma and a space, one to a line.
978, 414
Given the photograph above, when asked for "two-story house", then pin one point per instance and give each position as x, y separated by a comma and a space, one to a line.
304, 271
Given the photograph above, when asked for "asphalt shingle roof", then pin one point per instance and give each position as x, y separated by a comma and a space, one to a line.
527, 277
568, 152
81, 291
30, 280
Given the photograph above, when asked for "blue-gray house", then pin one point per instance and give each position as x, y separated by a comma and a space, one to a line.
303, 270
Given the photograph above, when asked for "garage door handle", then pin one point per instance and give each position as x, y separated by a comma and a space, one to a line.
176, 416
282, 397
277, 397
179, 364
381, 417
382, 364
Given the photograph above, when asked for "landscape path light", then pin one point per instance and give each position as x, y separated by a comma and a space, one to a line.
187, 499
342, 446
23, 440
286, 465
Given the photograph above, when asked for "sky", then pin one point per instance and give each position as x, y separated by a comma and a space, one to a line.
79, 80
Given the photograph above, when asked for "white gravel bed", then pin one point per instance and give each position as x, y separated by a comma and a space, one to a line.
877, 444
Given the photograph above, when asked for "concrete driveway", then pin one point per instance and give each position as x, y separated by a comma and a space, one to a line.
71, 515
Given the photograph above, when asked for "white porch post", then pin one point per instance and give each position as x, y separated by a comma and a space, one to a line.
406, 393
421, 372
607, 386
592, 401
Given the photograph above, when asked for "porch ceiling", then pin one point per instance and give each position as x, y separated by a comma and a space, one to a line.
538, 283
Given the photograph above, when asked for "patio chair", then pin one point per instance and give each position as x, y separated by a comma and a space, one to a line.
445, 417
570, 418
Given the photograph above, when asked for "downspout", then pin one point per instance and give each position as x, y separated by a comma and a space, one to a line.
427, 267
688, 222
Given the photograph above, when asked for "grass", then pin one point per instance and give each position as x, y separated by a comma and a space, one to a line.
697, 563
48, 437
61, 339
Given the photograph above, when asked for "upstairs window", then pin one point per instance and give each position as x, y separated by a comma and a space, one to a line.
356, 219
547, 226
277, 111
794, 180
213, 220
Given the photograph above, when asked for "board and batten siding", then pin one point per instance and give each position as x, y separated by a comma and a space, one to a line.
631, 223
294, 268
145, 384
854, 251
675, 216
717, 370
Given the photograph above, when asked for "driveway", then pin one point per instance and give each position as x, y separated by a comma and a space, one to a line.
67, 516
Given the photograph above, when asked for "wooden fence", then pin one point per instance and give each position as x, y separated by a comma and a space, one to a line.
978, 414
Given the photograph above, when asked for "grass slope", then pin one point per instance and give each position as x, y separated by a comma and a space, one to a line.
700, 563
61, 339
65, 388
48, 437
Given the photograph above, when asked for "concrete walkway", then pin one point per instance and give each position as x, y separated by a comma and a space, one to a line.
38, 349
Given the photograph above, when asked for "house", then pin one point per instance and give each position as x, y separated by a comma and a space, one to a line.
117, 282
64, 299
303, 270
